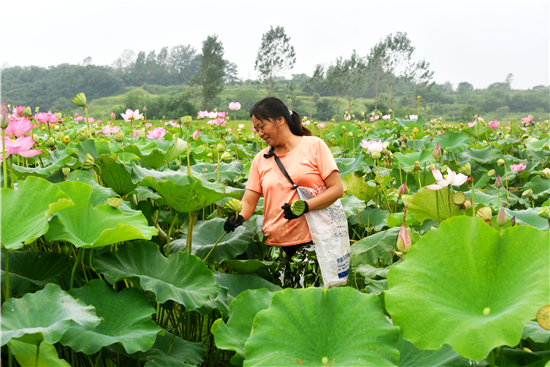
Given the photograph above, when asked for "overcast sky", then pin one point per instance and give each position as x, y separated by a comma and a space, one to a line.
477, 42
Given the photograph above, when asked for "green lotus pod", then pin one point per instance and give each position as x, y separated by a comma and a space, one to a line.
459, 198
114, 202
66, 171
484, 213
431, 167
466, 169
186, 120
226, 157
79, 100
232, 206
82, 135
220, 147
89, 162
467, 204
528, 193
376, 155
118, 136
298, 207
546, 173
501, 162
27, 111
544, 212
50, 142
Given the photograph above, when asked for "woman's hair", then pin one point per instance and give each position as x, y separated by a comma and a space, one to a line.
273, 108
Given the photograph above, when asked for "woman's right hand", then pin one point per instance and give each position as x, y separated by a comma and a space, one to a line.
231, 223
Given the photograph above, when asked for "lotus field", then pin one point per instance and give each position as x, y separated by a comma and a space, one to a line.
114, 253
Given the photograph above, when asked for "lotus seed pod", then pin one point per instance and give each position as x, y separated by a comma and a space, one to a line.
459, 198
406, 128
66, 171
501, 162
491, 173
350, 134
467, 204
544, 212
297, 207
376, 155
408, 171
233, 206
226, 157
501, 217
466, 169
119, 136
546, 173
186, 120
431, 167
82, 135
27, 111
114, 202
220, 147
528, 193
484, 213
50, 142
444, 168
79, 100
59, 115
407, 199
498, 182
89, 162
34, 137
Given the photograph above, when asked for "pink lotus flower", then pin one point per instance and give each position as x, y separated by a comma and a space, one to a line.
321, 125
241, 126
372, 145
172, 123
135, 132
229, 129
148, 124
413, 117
157, 133
131, 115
472, 124
107, 130
196, 134
527, 119
386, 117
99, 122
219, 121
91, 119
222, 114
17, 112
494, 125
19, 146
77, 118
404, 241
19, 127
518, 167
252, 127
374, 118
450, 179
307, 122
211, 122
234, 106
113, 116
42, 117
202, 114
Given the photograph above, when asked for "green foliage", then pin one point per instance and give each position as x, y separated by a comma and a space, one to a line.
212, 70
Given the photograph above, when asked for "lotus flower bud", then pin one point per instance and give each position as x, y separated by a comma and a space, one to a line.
498, 182
113, 116
59, 115
546, 173
80, 100
114, 202
4, 119
501, 163
513, 220
407, 199
416, 163
404, 241
544, 212
220, 147
528, 193
408, 171
406, 128
50, 142
89, 162
119, 136
376, 155
390, 111
431, 167
501, 217
437, 152
226, 157
82, 135
196, 134
186, 120
484, 213
179, 120
467, 204
466, 169
402, 190
66, 171
27, 111
144, 109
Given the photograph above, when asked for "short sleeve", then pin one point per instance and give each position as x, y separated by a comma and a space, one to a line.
254, 181
325, 160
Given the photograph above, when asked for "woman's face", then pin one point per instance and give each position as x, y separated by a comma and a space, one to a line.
268, 130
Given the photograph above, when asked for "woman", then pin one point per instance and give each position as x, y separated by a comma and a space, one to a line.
308, 161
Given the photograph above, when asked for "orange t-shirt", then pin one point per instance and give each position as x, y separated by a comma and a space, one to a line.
308, 165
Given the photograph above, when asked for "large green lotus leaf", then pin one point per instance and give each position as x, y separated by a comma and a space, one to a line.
238, 283
32, 270
58, 158
454, 142
410, 356
358, 187
25, 354
490, 198
538, 145
87, 147
205, 235
25, 211
528, 217
374, 218
481, 155
352, 205
116, 175
535, 332
156, 157
44, 315
307, 327
373, 247
540, 187
182, 353
100, 194
182, 277
89, 227
131, 327
250, 266
432, 204
234, 334
407, 160
181, 192
228, 171
478, 131
347, 166
467, 276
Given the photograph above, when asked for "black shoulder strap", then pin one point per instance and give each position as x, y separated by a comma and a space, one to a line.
270, 154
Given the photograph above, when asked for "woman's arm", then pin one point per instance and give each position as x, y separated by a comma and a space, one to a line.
334, 191
249, 201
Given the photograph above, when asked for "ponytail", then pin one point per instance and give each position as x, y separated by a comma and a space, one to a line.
296, 127
273, 108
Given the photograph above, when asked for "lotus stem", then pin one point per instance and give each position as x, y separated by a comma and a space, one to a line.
192, 218
169, 234
98, 357
4, 158
188, 162
87, 121
216, 244
7, 273
506, 182
77, 260
37, 352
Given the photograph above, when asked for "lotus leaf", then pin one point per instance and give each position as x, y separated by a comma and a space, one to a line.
100, 194
85, 226
182, 353
25, 354
116, 175
58, 158
156, 157
307, 327
373, 247
424, 157
540, 187
528, 217
182, 277
25, 211
352, 205
454, 142
347, 166
374, 217
432, 204
44, 316
228, 171
358, 187
467, 276
410, 356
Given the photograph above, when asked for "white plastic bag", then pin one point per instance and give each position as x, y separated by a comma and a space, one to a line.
329, 231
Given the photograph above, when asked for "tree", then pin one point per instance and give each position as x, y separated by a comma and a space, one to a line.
231, 73
464, 87
509, 79
354, 76
183, 63
312, 85
275, 55
125, 61
377, 61
399, 51
212, 70
335, 81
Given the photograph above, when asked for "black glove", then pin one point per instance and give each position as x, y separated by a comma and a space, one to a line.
230, 224
289, 214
